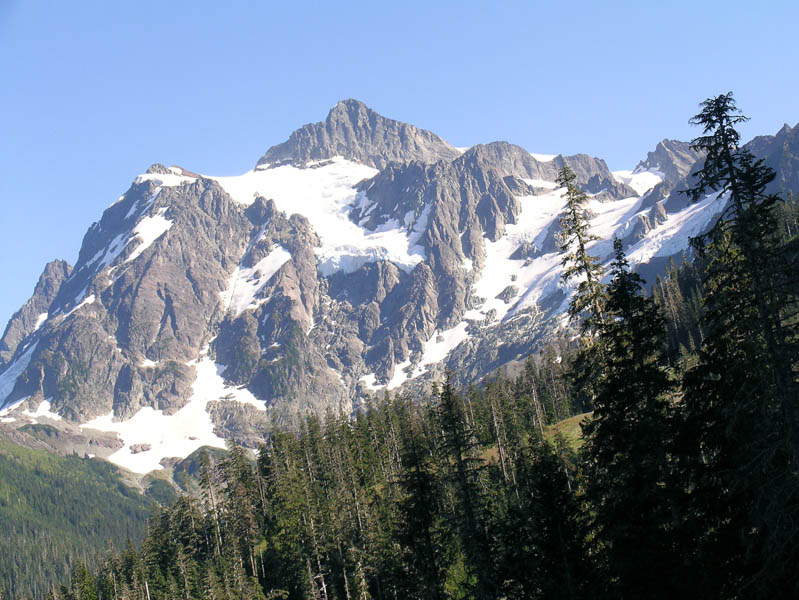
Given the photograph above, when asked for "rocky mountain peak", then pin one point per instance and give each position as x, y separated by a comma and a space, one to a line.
781, 153
672, 158
511, 160
34, 312
356, 132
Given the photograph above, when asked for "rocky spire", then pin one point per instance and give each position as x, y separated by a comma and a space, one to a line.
358, 133
34, 311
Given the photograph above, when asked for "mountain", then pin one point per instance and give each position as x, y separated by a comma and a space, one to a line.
361, 255
781, 153
354, 131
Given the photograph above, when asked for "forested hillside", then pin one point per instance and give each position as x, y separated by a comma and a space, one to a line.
58, 511
685, 484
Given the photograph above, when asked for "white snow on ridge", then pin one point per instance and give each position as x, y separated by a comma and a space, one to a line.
608, 218
40, 320
43, 410
674, 234
325, 195
245, 283
537, 278
369, 381
438, 347
8, 379
179, 434
533, 280
88, 300
108, 255
640, 181
166, 179
543, 157
148, 230
543, 183
400, 374
147, 204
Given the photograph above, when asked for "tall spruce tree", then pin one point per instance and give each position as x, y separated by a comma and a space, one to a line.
588, 299
740, 439
578, 264
755, 262
627, 475
464, 469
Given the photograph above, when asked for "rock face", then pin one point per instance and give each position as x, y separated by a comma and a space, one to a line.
358, 133
781, 153
674, 159
34, 312
204, 308
592, 173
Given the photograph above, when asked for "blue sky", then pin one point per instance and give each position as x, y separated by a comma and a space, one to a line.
94, 92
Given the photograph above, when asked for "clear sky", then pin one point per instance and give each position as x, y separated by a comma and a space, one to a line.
93, 92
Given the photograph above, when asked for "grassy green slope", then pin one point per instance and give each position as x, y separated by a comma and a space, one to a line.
56, 510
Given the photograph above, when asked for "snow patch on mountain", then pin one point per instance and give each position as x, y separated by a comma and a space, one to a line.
542, 183
674, 234
370, 381
543, 157
106, 256
40, 320
148, 230
325, 194
43, 410
245, 283
641, 180
8, 378
400, 374
172, 179
501, 271
440, 344
86, 301
151, 436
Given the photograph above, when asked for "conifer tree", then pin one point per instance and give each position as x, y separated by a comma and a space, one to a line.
740, 437
588, 299
745, 243
420, 531
626, 473
578, 264
464, 470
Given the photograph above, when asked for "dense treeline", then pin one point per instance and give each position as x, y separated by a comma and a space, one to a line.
686, 484
56, 512
457, 496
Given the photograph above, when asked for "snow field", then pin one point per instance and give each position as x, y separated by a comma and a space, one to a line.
148, 230
674, 234
43, 410
245, 283
8, 379
640, 181
500, 271
179, 434
325, 195
40, 320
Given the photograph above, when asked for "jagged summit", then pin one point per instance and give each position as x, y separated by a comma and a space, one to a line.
358, 133
672, 158
33, 313
781, 153
510, 159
